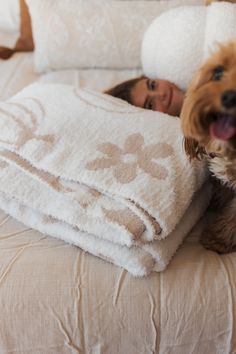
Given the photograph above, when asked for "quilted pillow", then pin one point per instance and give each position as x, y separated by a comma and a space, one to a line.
95, 33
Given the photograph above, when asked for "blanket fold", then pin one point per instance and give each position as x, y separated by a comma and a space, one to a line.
99, 173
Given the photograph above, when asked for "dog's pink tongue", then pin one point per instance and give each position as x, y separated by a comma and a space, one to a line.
223, 128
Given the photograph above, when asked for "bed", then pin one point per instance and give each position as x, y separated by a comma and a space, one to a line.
55, 298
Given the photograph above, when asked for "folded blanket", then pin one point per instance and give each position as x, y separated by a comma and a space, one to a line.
99, 173
179, 40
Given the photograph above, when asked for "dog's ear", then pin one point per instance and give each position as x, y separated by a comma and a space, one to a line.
193, 149
201, 77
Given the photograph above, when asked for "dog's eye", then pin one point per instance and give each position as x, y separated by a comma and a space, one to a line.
218, 73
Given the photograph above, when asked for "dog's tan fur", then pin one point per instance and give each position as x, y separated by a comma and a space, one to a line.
204, 100
208, 2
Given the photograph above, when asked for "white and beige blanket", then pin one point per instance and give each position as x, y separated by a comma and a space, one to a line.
97, 172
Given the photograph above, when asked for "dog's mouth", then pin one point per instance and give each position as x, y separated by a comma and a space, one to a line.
222, 125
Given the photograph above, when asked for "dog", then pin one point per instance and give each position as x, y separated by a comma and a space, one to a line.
208, 120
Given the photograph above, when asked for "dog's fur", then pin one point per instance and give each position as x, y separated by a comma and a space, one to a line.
204, 106
208, 2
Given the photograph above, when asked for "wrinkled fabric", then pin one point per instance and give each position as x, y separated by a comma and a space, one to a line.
58, 299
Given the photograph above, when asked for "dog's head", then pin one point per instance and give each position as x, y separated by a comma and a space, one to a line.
208, 115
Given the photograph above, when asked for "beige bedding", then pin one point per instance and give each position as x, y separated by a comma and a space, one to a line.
56, 299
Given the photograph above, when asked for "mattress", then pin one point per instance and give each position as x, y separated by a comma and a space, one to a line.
55, 298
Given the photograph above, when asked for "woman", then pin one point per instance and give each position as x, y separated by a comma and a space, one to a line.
157, 95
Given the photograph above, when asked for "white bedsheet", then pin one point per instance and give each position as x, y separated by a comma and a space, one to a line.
18, 72
56, 299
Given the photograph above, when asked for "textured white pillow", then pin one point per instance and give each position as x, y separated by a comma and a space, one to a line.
9, 15
177, 42
94, 33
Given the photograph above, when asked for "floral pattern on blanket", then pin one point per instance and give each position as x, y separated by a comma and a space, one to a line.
3, 164
26, 130
133, 156
126, 218
88, 172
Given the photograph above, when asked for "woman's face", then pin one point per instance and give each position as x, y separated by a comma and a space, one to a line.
158, 95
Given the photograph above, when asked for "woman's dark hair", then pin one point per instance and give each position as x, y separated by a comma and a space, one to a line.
123, 90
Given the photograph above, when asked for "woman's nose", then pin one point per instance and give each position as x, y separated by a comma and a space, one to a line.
160, 96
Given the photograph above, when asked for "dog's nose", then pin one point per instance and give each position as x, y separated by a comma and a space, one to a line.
228, 99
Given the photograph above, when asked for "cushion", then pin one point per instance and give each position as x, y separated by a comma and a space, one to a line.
178, 41
9, 15
95, 33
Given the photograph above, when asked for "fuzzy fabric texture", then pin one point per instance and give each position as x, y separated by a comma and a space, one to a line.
94, 33
99, 173
178, 41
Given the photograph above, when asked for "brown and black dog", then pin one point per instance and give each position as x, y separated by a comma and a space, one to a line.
208, 121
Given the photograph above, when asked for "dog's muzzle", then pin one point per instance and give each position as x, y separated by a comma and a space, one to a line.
228, 99
223, 123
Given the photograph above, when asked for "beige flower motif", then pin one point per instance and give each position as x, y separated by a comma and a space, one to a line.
127, 219
134, 155
89, 198
26, 132
3, 164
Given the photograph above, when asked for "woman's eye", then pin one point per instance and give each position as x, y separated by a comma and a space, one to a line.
153, 85
218, 73
149, 105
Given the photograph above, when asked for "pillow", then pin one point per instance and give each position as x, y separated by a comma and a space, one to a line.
178, 41
8, 39
9, 15
95, 33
